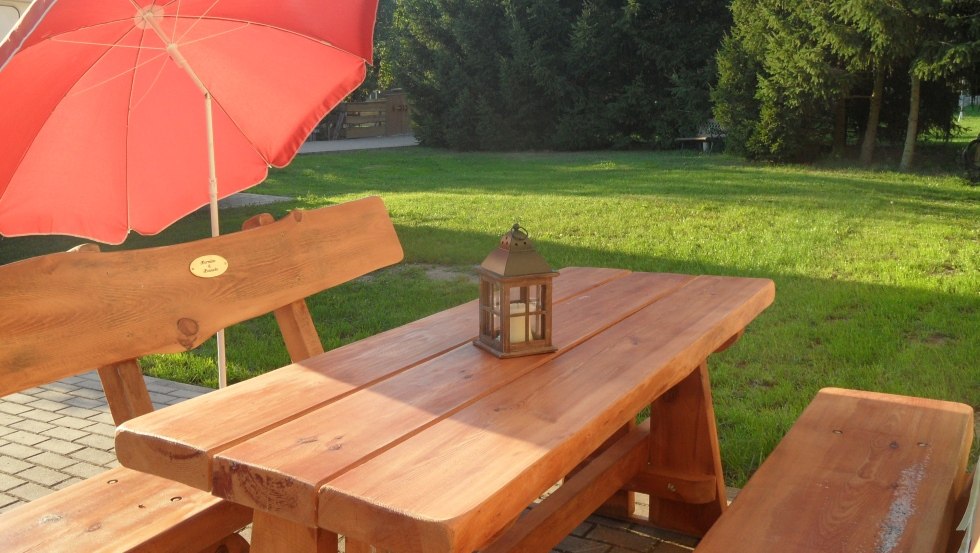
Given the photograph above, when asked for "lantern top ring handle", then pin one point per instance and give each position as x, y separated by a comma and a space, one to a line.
519, 232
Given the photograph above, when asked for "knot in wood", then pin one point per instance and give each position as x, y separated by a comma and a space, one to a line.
188, 332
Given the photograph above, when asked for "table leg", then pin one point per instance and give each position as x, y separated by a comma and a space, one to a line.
685, 478
271, 534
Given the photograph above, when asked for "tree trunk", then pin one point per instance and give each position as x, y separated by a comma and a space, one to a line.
840, 126
874, 115
912, 131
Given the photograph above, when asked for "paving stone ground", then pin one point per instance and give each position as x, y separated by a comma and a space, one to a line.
61, 433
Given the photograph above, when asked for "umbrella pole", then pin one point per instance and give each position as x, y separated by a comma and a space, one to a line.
215, 231
212, 171
148, 17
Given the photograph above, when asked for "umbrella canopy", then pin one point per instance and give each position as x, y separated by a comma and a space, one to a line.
104, 126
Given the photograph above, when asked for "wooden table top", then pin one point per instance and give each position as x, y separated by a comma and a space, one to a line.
416, 440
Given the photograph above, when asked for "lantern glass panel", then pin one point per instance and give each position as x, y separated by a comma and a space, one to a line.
490, 310
496, 324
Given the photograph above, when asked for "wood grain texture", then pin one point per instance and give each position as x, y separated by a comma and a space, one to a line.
282, 470
151, 445
60, 298
621, 504
555, 517
685, 439
298, 331
294, 320
272, 534
453, 486
859, 471
125, 390
119, 511
683, 486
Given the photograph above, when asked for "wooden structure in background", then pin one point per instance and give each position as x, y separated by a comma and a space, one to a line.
389, 115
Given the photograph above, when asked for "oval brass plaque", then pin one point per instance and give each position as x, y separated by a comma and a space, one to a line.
209, 266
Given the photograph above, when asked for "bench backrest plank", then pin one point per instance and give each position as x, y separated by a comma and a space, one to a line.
68, 313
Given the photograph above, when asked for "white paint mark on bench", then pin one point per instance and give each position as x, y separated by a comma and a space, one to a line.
902, 509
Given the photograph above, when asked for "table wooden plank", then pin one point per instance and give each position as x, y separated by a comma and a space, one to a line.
178, 442
453, 486
281, 471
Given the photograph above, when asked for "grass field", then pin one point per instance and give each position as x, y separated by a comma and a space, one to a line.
877, 272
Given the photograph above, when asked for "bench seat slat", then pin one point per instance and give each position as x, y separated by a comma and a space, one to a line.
859, 471
97, 516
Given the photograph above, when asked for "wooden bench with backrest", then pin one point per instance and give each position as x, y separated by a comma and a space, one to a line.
859, 471
67, 313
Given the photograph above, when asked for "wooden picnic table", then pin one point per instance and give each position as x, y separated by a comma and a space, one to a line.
414, 440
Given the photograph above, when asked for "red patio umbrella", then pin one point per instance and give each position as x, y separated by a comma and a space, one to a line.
122, 115
104, 125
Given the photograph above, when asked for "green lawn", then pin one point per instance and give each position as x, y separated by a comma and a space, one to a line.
877, 273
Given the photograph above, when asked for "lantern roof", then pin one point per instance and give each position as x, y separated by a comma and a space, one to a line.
515, 256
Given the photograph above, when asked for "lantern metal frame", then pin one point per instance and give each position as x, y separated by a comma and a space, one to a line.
516, 288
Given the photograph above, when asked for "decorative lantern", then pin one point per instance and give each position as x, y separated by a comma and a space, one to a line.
515, 298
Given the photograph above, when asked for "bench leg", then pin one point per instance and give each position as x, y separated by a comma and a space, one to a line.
125, 390
684, 478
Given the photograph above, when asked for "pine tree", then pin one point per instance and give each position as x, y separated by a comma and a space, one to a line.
787, 110
573, 74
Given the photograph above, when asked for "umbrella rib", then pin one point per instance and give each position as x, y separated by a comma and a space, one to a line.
114, 77
86, 43
242, 131
85, 27
134, 104
197, 20
243, 25
173, 38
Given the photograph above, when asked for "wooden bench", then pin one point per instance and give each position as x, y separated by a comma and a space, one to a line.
66, 313
859, 471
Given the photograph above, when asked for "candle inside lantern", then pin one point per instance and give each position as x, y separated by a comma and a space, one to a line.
518, 331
